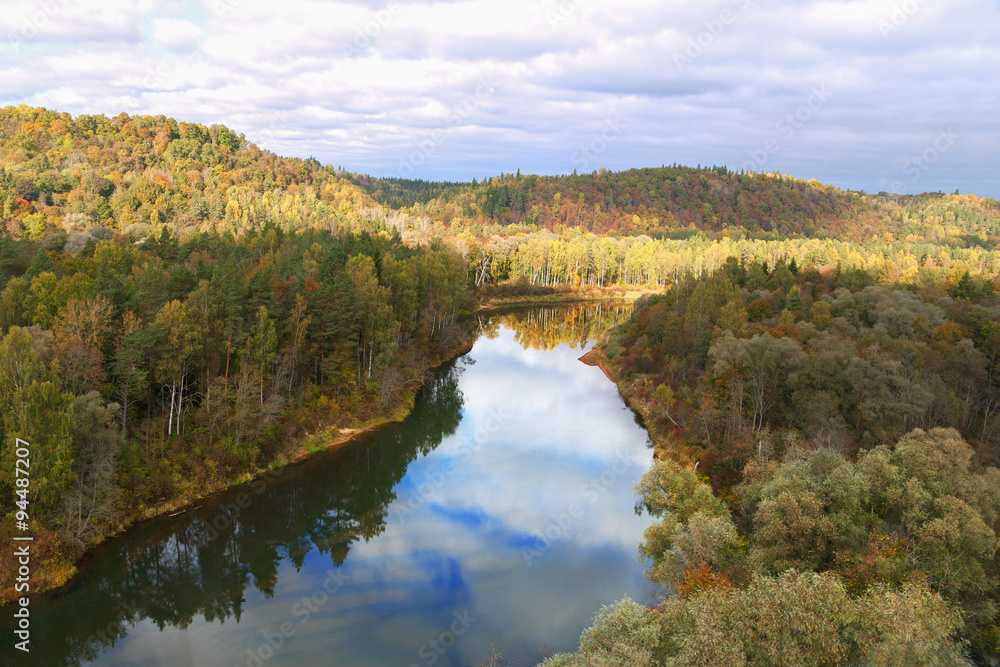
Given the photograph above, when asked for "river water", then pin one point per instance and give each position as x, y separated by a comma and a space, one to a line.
500, 512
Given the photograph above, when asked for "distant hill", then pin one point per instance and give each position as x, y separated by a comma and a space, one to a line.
133, 174
677, 201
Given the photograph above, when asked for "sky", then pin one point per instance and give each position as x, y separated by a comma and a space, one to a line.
896, 95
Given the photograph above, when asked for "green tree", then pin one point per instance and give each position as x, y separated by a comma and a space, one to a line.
13, 311
90, 503
814, 506
379, 328
34, 409
260, 348
129, 366
623, 635
796, 618
764, 362
180, 338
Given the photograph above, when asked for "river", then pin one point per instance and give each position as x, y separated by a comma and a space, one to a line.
500, 512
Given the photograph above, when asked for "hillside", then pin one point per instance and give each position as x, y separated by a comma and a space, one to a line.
127, 172
133, 173
675, 202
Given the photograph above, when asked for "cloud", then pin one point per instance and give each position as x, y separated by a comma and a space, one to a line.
175, 33
692, 82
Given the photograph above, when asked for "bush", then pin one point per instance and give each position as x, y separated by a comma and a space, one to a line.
623, 635
75, 242
54, 241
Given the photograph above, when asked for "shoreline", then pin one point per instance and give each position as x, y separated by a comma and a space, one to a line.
305, 449
664, 445
594, 358
594, 295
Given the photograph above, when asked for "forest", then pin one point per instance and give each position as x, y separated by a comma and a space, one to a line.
163, 371
820, 369
826, 489
70, 181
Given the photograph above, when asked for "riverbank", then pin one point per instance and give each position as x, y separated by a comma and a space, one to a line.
562, 297
330, 437
594, 358
369, 506
668, 441
55, 566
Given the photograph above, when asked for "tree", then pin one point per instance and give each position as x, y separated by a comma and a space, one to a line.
129, 367
296, 350
623, 635
665, 396
819, 511
260, 347
670, 489
35, 410
797, 618
795, 302
948, 507
80, 365
808, 619
96, 445
87, 319
379, 328
335, 331
80, 329
888, 399
680, 549
40, 304
12, 304
402, 277
764, 362
180, 339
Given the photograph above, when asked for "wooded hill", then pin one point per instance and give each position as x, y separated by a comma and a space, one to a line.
676, 202
68, 181
134, 174
128, 172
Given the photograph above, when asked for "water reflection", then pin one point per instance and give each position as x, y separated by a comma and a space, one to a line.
547, 328
501, 508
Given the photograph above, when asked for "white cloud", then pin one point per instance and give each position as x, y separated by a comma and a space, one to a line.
693, 82
175, 33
